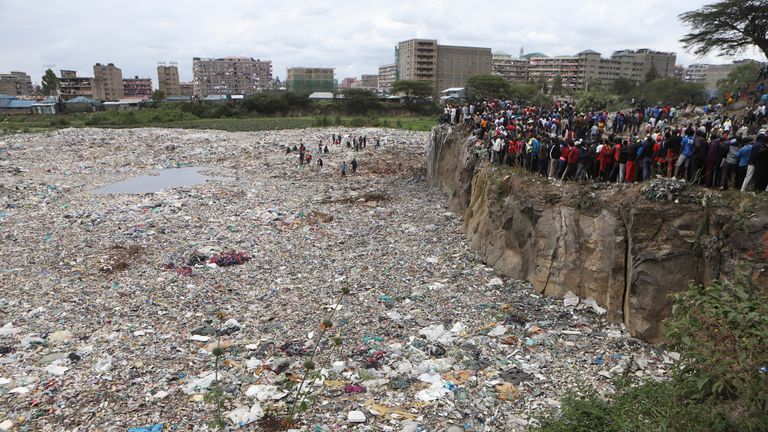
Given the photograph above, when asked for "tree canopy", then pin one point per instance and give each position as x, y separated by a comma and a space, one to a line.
50, 83
729, 26
739, 77
623, 86
557, 85
673, 90
482, 87
158, 96
413, 88
652, 74
360, 101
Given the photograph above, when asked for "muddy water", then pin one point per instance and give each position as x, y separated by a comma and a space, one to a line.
159, 180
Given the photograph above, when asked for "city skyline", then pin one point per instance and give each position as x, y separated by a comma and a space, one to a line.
354, 38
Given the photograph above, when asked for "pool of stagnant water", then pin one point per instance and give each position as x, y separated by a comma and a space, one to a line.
159, 180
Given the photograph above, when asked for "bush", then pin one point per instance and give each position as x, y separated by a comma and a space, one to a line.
722, 331
594, 100
654, 406
721, 383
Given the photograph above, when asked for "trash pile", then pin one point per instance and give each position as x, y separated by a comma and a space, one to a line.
113, 306
665, 189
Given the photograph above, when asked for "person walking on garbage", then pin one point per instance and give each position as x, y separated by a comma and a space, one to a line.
343, 168
354, 165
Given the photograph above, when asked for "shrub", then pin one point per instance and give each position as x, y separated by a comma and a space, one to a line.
721, 383
722, 331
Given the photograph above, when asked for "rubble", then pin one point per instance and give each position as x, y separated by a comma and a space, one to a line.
101, 331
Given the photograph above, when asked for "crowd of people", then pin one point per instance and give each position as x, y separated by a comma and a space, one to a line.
351, 142
713, 148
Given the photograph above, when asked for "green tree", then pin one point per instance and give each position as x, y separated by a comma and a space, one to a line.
739, 77
593, 100
557, 85
652, 74
413, 88
522, 91
541, 84
158, 96
360, 101
674, 90
50, 83
729, 27
482, 87
623, 86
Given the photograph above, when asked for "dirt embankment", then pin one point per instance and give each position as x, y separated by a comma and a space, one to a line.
627, 246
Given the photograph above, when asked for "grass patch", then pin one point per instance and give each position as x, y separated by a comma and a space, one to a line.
170, 118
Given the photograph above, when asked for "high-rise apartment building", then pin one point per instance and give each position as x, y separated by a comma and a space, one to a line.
443, 66
457, 64
230, 76
310, 80
107, 82
168, 78
509, 68
387, 76
72, 86
137, 87
16, 84
417, 60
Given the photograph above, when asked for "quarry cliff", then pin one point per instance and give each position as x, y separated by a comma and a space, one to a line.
627, 246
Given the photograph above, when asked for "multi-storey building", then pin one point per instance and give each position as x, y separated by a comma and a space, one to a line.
710, 74
137, 87
510, 68
348, 82
310, 80
186, 89
443, 66
16, 84
369, 82
230, 76
72, 86
387, 76
457, 64
416, 60
168, 78
107, 82
588, 68
548, 68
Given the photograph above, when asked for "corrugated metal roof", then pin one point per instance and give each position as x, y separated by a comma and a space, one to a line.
79, 99
18, 104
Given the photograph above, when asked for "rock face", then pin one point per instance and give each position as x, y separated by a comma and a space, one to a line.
607, 242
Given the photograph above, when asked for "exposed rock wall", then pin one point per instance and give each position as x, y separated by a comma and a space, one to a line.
607, 242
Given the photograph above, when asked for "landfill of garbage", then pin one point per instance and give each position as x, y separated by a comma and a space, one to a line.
113, 305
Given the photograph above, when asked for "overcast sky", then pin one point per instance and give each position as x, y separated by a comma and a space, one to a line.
354, 36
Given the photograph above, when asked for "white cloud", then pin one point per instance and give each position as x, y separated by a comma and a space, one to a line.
353, 36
